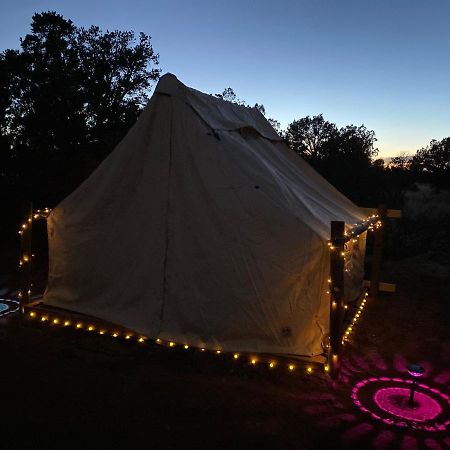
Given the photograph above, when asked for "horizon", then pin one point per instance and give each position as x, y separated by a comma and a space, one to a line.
376, 65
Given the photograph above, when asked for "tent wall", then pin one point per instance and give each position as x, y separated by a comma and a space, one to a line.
194, 232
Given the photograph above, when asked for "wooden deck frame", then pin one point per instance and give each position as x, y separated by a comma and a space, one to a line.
337, 304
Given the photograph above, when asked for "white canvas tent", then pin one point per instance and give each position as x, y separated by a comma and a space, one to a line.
201, 227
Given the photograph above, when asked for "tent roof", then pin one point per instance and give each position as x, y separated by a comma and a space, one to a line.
217, 113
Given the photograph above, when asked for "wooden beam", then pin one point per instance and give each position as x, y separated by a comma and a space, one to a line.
336, 284
382, 287
377, 257
390, 213
25, 256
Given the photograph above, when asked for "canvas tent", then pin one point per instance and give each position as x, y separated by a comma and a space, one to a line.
203, 228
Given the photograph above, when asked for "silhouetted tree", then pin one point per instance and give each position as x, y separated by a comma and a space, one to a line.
343, 156
310, 137
433, 162
66, 98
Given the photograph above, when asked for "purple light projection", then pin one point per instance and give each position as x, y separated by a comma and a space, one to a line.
387, 400
395, 401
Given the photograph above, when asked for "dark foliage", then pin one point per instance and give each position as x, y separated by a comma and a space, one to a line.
67, 97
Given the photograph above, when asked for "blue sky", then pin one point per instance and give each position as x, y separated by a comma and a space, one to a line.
385, 64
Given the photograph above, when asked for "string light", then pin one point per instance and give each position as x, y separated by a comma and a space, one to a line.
271, 364
356, 316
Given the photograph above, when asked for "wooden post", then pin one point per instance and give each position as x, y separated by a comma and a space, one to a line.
377, 256
336, 294
25, 256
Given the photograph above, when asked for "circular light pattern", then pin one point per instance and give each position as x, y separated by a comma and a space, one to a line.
394, 400
8, 306
386, 399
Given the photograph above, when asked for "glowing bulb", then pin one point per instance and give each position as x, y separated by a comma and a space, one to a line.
218, 352
55, 321
291, 367
345, 306
171, 344
115, 334
141, 339
24, 225
66, 323
101, 332
128, 336
327, 368
272, 364
32, 314
253, 361
158, 341
43, 318
236, 356
202, 349
91, 328
186, 346
309, 369
79, 325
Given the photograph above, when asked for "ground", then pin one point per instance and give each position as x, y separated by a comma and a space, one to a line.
66, 389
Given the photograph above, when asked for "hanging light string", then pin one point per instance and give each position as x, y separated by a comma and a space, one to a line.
356, 316
254, 360
351, 237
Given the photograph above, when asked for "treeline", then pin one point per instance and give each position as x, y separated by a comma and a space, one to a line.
69, 94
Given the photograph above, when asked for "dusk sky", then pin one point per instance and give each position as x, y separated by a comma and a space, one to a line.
384, 64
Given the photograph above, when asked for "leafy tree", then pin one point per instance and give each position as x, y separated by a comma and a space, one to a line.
67, 97
433, 162
343, 156
310, 137
400, 162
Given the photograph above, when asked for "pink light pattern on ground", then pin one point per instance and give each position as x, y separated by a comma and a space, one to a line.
394, 400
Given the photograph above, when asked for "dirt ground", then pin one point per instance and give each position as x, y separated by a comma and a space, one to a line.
64, 389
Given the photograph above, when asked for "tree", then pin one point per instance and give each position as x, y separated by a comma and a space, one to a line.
67, 97
400, 162
433, 162
342, 156
309, 137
